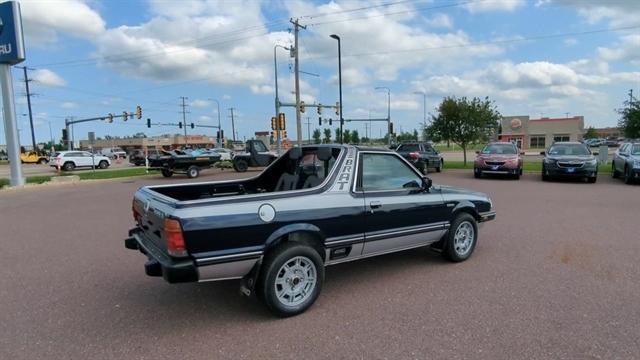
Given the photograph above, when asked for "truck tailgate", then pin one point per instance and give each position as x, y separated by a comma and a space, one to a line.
151, 213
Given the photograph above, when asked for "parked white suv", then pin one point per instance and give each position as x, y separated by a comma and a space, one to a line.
69, 160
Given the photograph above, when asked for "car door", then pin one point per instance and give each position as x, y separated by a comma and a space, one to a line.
400, 214
619, 158
432, 155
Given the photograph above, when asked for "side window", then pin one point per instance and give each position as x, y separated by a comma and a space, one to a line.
384, 172
624, 148
429, 149
409, 147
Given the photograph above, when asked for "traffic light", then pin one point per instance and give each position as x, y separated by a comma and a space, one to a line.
65, 136
319, 121
148, 122
337, 107
110, 118
390, 128
192, 126
301, 106
138, 112
330, 120
284, 134
282, 121
218, 134
319, 109
180, 125
273, 123
222, 134
125, 115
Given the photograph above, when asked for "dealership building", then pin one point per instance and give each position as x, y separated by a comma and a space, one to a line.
540, 133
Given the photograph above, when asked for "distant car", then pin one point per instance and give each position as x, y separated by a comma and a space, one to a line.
626, 162
4, 157
422, 155
569, 159
499, 158
33, 157
137, 157
69, 160
225, 154
114, 153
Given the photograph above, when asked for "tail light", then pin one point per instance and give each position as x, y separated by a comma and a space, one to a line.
136, 214
414, 155
175, 239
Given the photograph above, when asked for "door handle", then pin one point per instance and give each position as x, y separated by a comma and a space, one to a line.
375, 205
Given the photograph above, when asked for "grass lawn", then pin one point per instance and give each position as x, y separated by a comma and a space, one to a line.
109, 174
30, 180
529, 166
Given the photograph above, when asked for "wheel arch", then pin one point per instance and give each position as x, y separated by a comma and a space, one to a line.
465, 206
302, 232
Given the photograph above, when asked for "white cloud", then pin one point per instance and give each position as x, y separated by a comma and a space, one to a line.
68, 105
43, 20
628, 49
226, 97
439, 20
570, 41
47, 77
200, 103
262, 89
493, 5
204, 118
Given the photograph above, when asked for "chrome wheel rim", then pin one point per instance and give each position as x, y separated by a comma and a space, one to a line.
463, 238
295, 281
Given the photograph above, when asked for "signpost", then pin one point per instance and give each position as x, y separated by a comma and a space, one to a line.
92, 140
11, 53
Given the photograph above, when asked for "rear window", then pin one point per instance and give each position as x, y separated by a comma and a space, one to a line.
409, 147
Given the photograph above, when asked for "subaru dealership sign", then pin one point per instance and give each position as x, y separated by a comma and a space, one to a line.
11, 40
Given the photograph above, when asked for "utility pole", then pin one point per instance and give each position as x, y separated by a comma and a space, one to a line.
308, 131
233, 125
297, 27
184, 118
630, 98
26, 86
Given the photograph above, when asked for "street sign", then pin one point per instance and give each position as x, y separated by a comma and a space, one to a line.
11, 40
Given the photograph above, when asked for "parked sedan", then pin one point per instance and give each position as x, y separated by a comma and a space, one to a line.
500, 158
569, 159
69, 160
626, 162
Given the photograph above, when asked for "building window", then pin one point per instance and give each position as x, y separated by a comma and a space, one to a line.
561, 137
537, 141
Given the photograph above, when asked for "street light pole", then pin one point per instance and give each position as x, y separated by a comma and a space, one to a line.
334, 36
388, 111
424, 115
219, 127
275, 70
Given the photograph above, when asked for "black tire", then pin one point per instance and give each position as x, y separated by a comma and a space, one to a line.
439, 167
614, 173
628, 176
271, 272
42, 161
166, 173
477, 173
453, 251
193, 172
516, 176
240, 165
592, 180
103, 164
545, 177
68, 166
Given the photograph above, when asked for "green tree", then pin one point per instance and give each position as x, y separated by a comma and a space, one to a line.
346, 137
355, 137
591, 133
338, 135
415, 134
465, 121
327, 136
317, 135
629, 121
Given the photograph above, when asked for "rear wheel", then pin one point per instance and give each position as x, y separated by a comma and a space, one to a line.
461, 238
440, 166
291, 279
166, 173
68, 166
614, 173
240, 165
193, 172
42, 161
103, 164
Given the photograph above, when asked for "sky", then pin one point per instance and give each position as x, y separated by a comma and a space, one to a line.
543, 58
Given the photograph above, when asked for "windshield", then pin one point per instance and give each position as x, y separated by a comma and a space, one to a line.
635, 150
569, 149
259, 146
503, 149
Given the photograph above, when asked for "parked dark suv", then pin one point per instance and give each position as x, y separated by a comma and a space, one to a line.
569, 159
626, 162
137, 156
422, 155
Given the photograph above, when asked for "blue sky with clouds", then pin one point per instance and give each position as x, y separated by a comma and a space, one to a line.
535, 58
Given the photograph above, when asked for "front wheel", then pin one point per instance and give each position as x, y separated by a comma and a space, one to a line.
291, 279
461, 238
193, 172
614, 173
476, 173
440, 166
42, 161
166, 173
103, 164
240, 165
69, 166
628, 176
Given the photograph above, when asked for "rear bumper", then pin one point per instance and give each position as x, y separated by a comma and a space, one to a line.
201, 269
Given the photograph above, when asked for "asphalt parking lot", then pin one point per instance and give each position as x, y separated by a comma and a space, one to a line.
555, 276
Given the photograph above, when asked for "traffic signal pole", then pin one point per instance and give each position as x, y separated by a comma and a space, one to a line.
71, 121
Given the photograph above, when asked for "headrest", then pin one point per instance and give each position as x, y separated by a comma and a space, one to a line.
324, 153
295, 153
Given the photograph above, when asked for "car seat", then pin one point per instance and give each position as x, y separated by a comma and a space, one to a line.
289, 179
323, 154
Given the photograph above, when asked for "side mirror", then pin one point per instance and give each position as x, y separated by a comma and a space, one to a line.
522, 153
477, 152
595, 153
542, 153
426, 183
